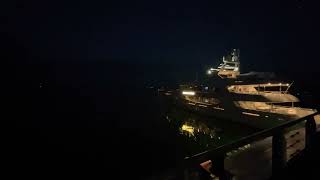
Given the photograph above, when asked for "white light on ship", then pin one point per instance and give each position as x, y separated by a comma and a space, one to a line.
190, 93
269, 83
209, 72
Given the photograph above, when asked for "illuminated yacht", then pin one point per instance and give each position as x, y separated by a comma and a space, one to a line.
253, 98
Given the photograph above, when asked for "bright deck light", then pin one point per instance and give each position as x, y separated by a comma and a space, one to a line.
190, 93
209, 72
250, 114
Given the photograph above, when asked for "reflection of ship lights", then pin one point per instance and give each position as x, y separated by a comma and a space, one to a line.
190, 93
187, 128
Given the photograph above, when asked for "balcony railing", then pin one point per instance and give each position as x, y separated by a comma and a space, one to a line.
217, 156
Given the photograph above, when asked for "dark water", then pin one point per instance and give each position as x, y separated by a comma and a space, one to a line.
85, 119
198, 133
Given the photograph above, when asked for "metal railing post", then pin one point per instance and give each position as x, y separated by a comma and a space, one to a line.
279, 152
311, 130
218, 167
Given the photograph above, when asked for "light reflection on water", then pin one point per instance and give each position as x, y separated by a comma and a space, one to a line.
198, 133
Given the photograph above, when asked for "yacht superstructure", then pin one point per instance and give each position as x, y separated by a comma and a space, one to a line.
230, 66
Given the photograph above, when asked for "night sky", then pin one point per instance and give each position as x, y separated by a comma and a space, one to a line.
71, 64
174, 31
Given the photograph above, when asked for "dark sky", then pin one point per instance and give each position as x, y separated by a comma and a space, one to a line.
177, 32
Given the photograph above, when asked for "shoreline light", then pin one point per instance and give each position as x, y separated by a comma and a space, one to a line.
190, 93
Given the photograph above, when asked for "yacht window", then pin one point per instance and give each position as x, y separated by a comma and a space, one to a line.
230, 64
273, 88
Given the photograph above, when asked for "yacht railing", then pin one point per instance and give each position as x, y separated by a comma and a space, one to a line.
258, 92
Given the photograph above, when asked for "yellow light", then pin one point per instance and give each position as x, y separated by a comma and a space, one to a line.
188, 129
269, 83
202, 105
218, 108
250, 114
190, 93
